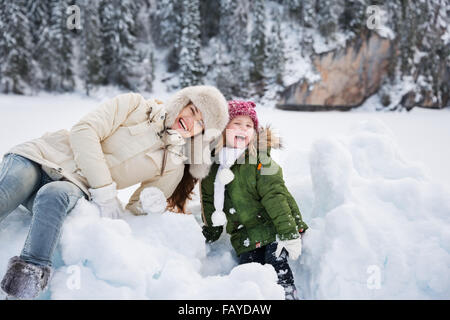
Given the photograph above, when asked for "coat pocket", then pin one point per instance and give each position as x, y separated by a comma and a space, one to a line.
157, 157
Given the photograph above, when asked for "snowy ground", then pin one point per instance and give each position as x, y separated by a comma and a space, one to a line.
374, 188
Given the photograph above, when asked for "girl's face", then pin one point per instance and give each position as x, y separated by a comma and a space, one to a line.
239, 132
189, 121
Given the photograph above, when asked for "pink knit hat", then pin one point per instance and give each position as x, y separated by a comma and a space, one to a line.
243, 108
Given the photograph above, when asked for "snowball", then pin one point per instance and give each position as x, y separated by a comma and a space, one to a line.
153, 200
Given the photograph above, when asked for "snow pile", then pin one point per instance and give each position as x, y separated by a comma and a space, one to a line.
158, 256
380, 229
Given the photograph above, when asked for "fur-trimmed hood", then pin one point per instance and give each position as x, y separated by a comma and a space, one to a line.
209, 100
214, 108
267, 139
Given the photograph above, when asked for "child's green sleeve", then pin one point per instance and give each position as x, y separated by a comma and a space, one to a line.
302, 226
276, 200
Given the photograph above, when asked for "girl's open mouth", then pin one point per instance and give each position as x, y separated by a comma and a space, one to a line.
238, 139
183, 125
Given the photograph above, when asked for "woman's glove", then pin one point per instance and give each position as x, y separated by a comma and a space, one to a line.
293, 247
153, 200
105, 198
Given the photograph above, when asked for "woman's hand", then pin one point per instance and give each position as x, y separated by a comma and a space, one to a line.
106, 200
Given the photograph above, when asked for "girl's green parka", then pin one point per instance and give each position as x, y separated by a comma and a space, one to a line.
258, 206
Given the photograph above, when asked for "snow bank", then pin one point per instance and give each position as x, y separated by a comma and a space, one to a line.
380, 229
158, 256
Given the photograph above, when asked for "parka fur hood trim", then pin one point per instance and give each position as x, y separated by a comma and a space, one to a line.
214, 108
209, 100
265, 139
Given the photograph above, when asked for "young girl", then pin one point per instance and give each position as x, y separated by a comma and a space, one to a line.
245, 190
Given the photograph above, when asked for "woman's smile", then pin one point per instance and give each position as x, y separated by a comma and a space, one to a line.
189, 121
183, 124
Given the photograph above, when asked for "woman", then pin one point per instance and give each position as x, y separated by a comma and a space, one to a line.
127, 140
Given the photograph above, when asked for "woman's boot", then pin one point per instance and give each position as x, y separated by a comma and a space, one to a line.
25, 280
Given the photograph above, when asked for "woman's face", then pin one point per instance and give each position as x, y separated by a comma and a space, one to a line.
189, 121
239, 132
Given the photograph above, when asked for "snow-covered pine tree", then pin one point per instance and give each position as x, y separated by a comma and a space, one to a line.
294, 9
166, 26
147, 66
224, 59
166, 22
393, 21
55, 49
275, 52
309, 14
258, 56
275, 56
353, 18
142, 26
423, 55
224, 79
38, 14
210, 19
328, 13
191, 66
15, 48
91, 50
226, 10
431, 54
120, 56
238, 46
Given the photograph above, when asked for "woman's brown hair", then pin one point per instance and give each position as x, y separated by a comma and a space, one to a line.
178, 200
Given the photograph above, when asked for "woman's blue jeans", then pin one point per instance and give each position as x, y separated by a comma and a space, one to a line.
23, 182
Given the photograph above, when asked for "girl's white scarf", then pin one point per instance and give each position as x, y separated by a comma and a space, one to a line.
227, 157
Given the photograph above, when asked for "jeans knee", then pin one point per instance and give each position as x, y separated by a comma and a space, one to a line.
52, 192
55, 196
19, 177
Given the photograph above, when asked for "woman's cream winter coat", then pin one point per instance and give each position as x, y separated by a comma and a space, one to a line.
123, 141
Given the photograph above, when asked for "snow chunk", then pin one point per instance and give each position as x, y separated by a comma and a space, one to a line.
381, 228
331, 166
153, 200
